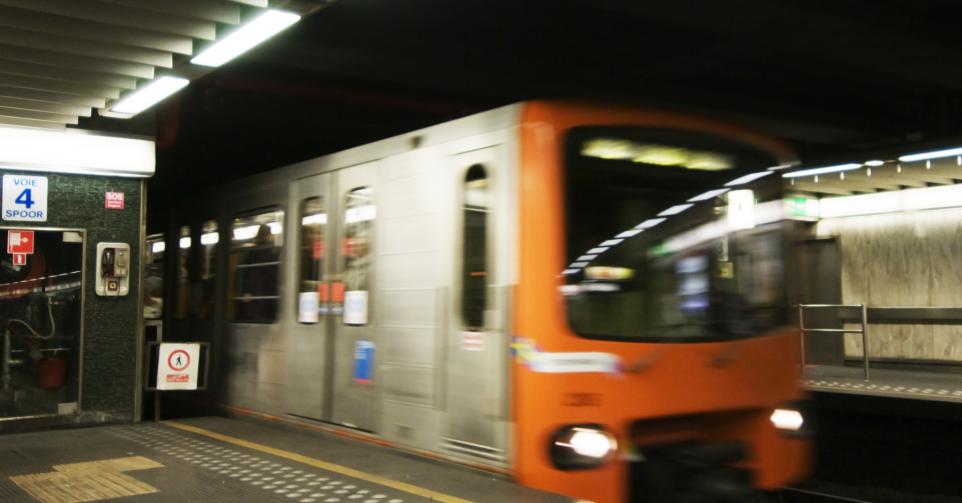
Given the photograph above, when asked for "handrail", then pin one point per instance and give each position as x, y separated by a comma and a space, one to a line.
863, 331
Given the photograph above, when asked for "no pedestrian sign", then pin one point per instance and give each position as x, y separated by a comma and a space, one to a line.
177, 366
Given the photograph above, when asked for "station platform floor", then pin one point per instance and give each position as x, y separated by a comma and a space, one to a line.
215, 459
938, 386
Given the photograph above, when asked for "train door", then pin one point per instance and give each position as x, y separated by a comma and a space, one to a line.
354, 214
476, 346
310, 336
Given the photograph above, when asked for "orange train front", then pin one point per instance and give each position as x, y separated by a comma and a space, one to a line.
652, 357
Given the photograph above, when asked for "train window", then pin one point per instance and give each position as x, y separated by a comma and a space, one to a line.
671, 236
154, 277
202, 293
254, 265
359, 215
314, 291
474, 257
180, 287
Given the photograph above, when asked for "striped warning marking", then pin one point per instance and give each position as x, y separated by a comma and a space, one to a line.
324, 465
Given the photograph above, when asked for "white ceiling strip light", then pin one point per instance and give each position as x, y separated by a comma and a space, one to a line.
259, 29
149, 95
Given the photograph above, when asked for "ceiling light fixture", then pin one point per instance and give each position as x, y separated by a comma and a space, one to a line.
259, 29
938, 154
149, 95
674, 210
751, 177
874, 163
708, 195
826, 169
648, 224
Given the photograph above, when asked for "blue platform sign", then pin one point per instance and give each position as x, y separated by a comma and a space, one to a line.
363, 361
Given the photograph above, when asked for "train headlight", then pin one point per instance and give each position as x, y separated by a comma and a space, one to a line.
789, 420
582, 446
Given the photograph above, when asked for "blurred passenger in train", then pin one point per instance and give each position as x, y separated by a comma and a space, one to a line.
257, 283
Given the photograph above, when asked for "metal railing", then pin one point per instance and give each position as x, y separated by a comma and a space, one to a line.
864, 331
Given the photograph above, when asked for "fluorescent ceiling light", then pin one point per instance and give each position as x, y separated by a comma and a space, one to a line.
569, 271
648, 224
629, 233
157, 247
821, 171
931, 155
600, 249
611, 242
674, 210
874, 163
579, 264
209, 238
185, 242
75, 152
704, 196
587, 257
751, 177
149, 95
261, 28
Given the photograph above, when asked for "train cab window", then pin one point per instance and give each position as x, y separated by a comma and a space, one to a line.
154, 276
359, 215
474, 257
180, 287
202, 294
254, 264
314, 291
671, 236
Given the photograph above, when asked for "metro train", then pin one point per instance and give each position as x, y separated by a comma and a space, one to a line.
589, 299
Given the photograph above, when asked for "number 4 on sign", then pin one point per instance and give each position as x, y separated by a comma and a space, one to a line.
25, 198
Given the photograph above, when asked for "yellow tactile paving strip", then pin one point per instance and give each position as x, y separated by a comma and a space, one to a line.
324, 465
88, 481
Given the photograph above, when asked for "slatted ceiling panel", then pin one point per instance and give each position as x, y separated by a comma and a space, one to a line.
60, 58
50, 97
20, 121
59, 86
43, 41
66, 74
95, 31
43, 106
91, 10
44, 116
211, 10
71, 61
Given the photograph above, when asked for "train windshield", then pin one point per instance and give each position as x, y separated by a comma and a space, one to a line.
671, 236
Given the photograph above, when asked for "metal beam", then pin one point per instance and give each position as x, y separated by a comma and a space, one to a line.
98, 32
34, 40
76, 62
43, 106
120, 16
66, 75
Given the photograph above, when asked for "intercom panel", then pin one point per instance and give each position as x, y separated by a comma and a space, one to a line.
113, 269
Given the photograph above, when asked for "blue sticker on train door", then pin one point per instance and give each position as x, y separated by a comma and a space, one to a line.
363, 361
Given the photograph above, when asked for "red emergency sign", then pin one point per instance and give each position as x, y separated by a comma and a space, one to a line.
19, 242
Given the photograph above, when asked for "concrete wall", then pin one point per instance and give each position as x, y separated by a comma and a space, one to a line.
911, 259
111, 324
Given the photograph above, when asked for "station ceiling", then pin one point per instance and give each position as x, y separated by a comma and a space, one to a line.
838, 79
